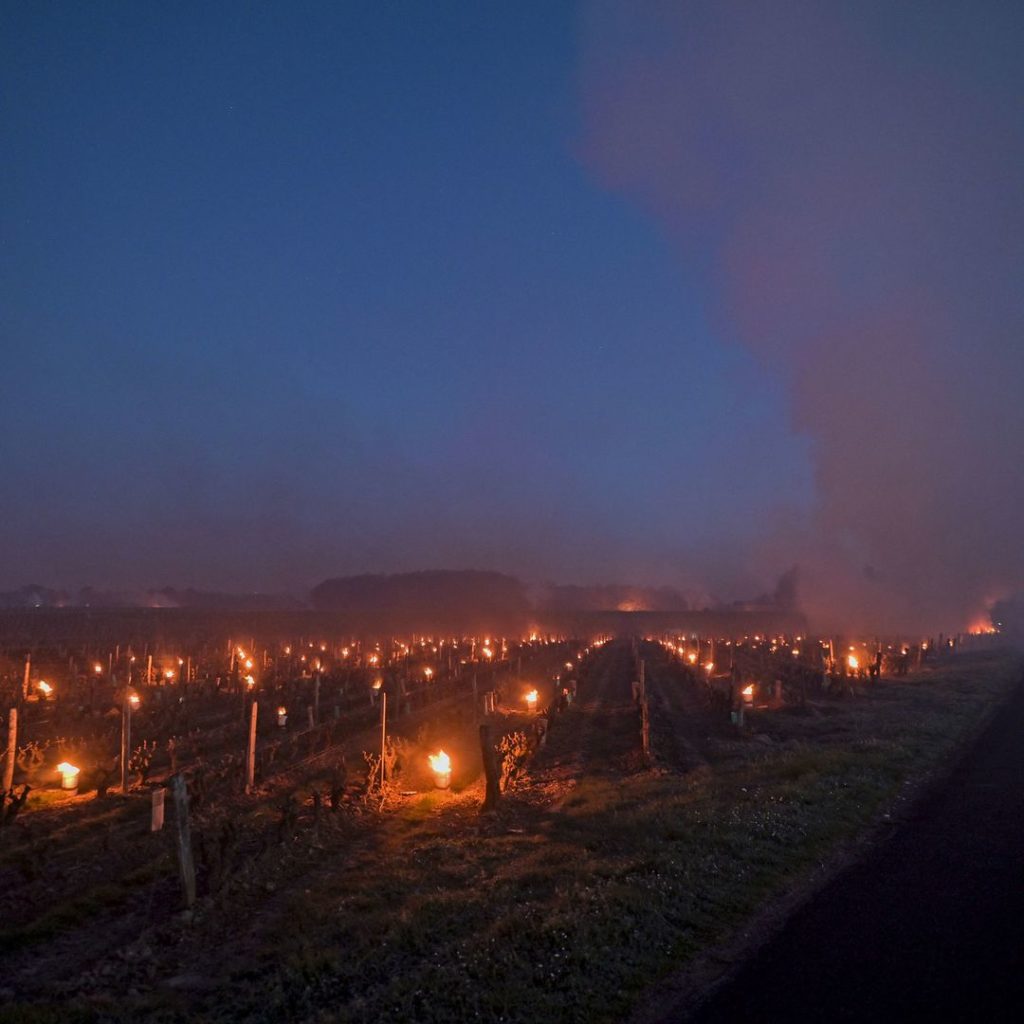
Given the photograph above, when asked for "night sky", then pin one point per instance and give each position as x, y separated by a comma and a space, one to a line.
677, 294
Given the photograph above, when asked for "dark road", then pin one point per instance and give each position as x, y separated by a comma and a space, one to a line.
929, 927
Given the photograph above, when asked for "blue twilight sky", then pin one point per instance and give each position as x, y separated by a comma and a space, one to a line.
669, 293
296, 289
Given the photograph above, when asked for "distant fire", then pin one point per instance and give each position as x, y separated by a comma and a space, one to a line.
531, 700
982, 627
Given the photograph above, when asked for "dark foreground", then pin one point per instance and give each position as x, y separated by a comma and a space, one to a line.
930, 926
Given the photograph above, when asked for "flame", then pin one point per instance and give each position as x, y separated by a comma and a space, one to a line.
748, 691
692, 658
709, 666
68, 769
531, 698
97, 668
45, 687
981, 627
440, 762
428, 672
488, 653
853, 661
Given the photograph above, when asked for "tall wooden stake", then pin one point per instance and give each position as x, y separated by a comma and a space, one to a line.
126, 740
12, 749
156, 816
28, 673
250, 754
183, 835
383, 732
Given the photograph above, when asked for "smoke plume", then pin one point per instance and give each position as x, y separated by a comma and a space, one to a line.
844, 181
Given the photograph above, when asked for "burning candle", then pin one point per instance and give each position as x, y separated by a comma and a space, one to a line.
68, 775
282, 716
133, 699
531, 700
441, 766
748, 695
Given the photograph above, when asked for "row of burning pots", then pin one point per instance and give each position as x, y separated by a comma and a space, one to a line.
440, 765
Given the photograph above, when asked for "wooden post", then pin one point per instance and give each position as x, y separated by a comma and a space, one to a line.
309, 718
12, 749
383, 732
645, 726
643, 678
28, 673
250, 752
149, 669
491, 772
183, 835
126, 739
316, 700
156, 817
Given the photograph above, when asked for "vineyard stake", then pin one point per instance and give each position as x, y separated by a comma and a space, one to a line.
12, 747
183, 835
250, 755
383, 733
156, 817
126, 739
